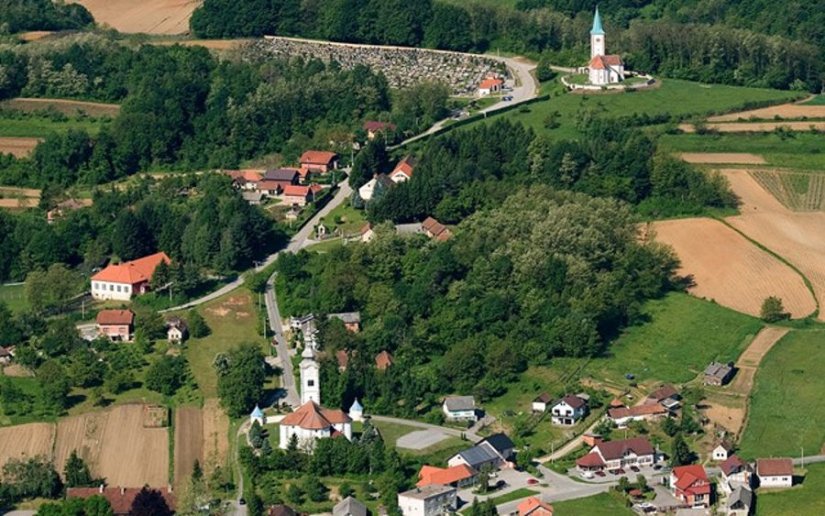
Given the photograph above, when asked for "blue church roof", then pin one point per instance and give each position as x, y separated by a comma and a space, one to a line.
356, 407
257, 412
597, 24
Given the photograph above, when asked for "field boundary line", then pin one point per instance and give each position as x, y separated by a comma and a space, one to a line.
782, 259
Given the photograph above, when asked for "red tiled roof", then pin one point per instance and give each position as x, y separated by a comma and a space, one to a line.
489, 83
383, 360
590, 460
662, 393
136, 271
732, 465
311, 416
296, 190
405, 166
268, 184
119, 498
602, 62
248, 175
433, 475
636, 411
543, 398
774, 467
574, 401
691, 479
534, 505
315, 188
612, 450
374, 125
313, 157
115, 317
616, 402
342, 357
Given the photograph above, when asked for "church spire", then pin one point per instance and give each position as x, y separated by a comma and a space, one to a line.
597, 24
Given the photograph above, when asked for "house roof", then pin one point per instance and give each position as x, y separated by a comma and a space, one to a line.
427, 492
296, 190
5, 352
616, 402
718, 370
349, 506
543, 398
375, 125
725, 445
501, 443
311, 416
115, 317
534, 505
434, 227
281, 510
664, 392
356, 407
612, 450
741, 496
120, 498
313, 157
574, 401
478, 455
405, 166
456, 403
490, 82
603, 62
691, 479
133, 272
445, 476
774, 467
347, 317
366, 228
281, 174
315, 188
383, 360
247, 175
732, 465
257, 412
636, 411
176, 322
591, 460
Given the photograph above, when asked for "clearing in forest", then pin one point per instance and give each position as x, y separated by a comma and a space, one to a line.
730, 270
739, 158
146, 16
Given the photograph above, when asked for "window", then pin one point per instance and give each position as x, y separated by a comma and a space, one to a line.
310, 383
118, 288
111, 288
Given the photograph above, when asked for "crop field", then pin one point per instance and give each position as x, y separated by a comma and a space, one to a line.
722, 158
211, 44
756, 127
729, 269
131, 455
22, 441
797, 191
16, 146
65, 106
782, 111
797, 237
188, 441
802, 151
145, 16
802, 500
215, 435
788, 395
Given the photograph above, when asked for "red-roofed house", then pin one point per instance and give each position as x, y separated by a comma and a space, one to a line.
403, 171
311, 421
735, 470
121, 281
319, 162
533, 506
436, 230
374, 128
617, 454
383, 361
624, 415
456, 476
490, 85
690, 484
297, 195
120, 498
245, 179
117, 325
774, 472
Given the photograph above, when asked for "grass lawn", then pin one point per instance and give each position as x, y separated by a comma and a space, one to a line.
800, 150
390, 432
14, 297
326, 246
346, 218
30, 387
232, 321
684, 334
604, 504
805, 499
35, 126
788, 394
818, 100
513, 495
675, 97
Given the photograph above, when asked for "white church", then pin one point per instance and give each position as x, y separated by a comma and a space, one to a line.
311, 421
603, 68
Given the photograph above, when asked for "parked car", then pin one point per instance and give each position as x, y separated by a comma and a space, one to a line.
532, 482
634, 469
620, 471
507, 98
601, 473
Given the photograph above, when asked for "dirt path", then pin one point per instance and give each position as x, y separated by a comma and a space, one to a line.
749, 361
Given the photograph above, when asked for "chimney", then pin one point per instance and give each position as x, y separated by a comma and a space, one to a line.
100, 489
122, 491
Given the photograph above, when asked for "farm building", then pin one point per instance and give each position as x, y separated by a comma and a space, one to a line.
621, 416
455, 476
496, 451
349, 506
722, 451
245, 179
718, 374
383, 360
541, 402
116, 325
120, 498
318, 162
297, 195
774, 472
121, 281
666, 395
435, 230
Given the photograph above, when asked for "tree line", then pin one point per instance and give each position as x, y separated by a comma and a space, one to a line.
23, 15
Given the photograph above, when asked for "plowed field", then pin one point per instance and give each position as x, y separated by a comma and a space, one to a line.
729, 269
770, 113
22, 441
18, 147
143, 16
188, 441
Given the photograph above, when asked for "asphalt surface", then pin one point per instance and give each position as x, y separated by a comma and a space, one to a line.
287, 376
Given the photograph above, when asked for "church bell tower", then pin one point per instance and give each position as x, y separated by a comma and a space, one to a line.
310, 376
597, 37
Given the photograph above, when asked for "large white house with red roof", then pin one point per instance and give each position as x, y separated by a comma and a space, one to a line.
618, 454
120, 282
603, 68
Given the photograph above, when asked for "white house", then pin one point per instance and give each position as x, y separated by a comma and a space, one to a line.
403, 171
460, 408
375, 187
722, 451
119, 282
176, 330
603, 69
618, 454
431, 500
735, 472
774, 472
568, 410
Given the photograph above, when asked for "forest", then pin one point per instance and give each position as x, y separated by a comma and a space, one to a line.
22, 15
679, 39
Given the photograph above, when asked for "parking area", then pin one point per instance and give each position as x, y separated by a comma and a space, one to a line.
420, 439
600, 477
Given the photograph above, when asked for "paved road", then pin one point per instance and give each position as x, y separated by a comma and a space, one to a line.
288, 376
469, 434
559, 488
527, 89
235, 506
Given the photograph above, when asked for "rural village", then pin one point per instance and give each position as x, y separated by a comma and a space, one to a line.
415, 258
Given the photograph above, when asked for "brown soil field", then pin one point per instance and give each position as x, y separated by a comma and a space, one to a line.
18, 147
67, 107
22, 441
741, 158
756, 127
729, 269
18, 204
215, 435
749, 361
188, 442
797, 237
14, 191
83, 434
771, 113
16, 370
731, 418
131, 455
143, 16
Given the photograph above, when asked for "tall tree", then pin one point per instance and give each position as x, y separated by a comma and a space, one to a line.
240, 382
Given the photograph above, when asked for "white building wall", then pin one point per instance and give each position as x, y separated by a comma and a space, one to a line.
107, 290
765, 481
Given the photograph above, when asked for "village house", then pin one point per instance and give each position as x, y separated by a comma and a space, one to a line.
297, 195
403, 171
460, 408
375, 128
591, 439
533, 506
568, 410
245, 179
494, 451
176, 330
64, 207
270, 189
119, 498
342, 357
367, 233
351, 320
734, 472
721, 451
6, 355
121, 281
435, 230
774, 472
281, 510
383, 361
690, 484
618, 454
282, 176
718, 374
318, 162
603, 69
541, 402
666, 396
116, 325
349, 506
740, 502
455, 476
375, 188
621, 416
432, 500
253, 197
490, 86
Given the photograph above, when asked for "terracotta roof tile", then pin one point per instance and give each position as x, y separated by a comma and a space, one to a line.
774, 467
115, 317
445, 476
313, 157
135, 271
